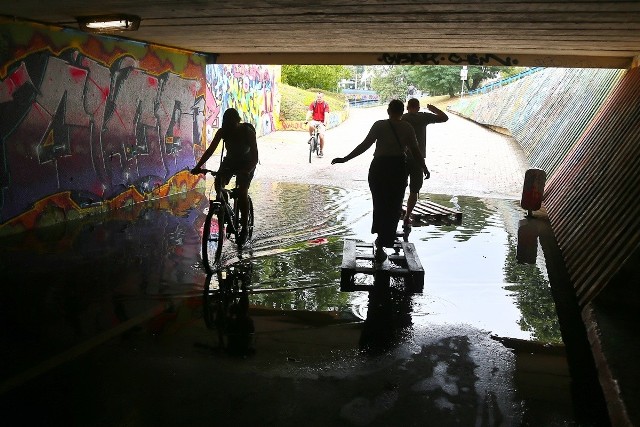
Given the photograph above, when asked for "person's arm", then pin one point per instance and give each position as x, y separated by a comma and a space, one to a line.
441, 116
308, 117
360, 148
208, 152
326, 114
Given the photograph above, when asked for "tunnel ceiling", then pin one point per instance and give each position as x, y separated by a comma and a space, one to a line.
501, 32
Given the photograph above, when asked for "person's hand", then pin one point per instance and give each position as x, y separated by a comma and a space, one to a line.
427, 174
306, 122
337, 160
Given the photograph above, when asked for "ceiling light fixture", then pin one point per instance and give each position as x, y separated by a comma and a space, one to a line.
108, 23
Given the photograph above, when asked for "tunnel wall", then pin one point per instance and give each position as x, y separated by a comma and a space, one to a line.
91, 123
250, 89
582, 127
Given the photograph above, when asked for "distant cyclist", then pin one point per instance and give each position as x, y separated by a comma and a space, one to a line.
241, 160
317, 112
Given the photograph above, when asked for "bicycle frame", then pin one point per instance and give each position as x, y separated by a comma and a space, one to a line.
222, 221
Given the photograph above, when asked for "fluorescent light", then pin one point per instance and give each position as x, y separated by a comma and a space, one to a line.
109, 23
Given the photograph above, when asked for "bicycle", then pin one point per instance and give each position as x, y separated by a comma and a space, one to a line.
225, 309
223, 222
314, 141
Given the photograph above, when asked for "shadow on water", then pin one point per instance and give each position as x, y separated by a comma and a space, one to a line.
96, 278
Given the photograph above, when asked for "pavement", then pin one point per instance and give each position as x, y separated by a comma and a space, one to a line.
463, 157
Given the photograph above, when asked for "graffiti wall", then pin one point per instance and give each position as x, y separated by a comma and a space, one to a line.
91, 123
250, 89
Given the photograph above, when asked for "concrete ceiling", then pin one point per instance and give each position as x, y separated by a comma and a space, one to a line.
496, 32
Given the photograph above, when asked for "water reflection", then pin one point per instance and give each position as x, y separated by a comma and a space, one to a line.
388, 317
225, 309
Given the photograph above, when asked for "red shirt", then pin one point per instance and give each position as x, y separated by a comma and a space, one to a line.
319, 109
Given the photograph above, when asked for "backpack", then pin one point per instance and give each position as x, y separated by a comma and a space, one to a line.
324, 105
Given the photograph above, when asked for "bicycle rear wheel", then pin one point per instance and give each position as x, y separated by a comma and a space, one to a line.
213, 237
238, 215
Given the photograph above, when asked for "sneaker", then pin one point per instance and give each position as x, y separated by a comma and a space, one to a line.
320, 154
380, 255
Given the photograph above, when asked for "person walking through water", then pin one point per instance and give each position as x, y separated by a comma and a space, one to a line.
419, 120
241, 160
317, 112
387, 172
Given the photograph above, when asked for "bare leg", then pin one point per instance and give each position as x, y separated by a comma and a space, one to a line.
217, 184
322, 143
243, 205
411, 203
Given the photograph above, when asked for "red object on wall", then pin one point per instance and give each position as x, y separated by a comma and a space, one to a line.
533, 189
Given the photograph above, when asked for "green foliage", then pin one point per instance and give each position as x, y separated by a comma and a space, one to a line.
391, 83
437, 80
506, 72
325, 77
445, 80
295, 102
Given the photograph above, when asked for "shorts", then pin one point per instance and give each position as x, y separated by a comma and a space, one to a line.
230, 167
416, 177
321, 128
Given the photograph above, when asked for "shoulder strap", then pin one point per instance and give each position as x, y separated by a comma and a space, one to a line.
396, 135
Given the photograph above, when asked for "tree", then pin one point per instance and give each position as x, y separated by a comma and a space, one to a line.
437, 80
391, 83
324, 77
440, 80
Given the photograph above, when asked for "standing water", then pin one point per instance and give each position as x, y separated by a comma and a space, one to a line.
122, 298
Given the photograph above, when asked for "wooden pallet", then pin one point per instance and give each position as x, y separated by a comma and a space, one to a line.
426, 211
358, 257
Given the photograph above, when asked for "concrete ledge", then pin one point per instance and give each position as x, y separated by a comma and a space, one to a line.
615, 352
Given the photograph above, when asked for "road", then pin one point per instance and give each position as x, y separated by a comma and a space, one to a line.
464, 158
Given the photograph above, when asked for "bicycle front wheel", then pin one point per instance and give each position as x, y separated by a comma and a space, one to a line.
312, 143
213, 237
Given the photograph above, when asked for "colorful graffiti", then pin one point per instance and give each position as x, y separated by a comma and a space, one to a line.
251, 89
92, 118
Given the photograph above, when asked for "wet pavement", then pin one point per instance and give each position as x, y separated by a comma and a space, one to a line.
104, 318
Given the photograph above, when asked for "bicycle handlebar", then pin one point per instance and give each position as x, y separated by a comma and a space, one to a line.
203, 170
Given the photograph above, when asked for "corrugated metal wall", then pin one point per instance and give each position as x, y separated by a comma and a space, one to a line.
593, 199
582, 126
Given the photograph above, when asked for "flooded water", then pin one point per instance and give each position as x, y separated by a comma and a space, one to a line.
472, 275
97, 278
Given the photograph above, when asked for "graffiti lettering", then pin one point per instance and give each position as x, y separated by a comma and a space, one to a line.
92, 129
410, 58
443, 59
